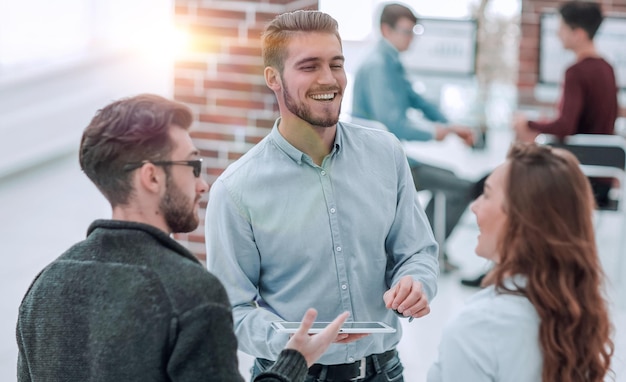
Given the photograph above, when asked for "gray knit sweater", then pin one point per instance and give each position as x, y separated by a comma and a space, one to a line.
131, 304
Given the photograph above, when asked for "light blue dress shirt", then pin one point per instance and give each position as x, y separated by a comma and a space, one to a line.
285, 234
383, 93
495, 337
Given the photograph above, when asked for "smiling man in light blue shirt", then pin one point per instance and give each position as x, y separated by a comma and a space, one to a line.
320, 214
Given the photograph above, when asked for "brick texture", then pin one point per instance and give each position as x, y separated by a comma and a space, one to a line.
529, 43
221, 78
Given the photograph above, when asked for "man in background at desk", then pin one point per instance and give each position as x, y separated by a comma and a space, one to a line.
383, 93
588, 103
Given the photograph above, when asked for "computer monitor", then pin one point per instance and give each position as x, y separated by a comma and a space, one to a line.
554, 59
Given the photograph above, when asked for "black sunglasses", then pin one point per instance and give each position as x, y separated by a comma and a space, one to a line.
196, 164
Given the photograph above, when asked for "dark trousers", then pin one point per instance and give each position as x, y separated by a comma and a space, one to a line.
391, 371
458, 192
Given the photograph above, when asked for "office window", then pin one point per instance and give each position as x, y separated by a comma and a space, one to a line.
358, 19
36, 33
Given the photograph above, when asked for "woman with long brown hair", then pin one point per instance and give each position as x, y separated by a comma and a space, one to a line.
542, 316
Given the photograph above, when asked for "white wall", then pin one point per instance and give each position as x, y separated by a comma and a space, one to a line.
46, 101
43, 115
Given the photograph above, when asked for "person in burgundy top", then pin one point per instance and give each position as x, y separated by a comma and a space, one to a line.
589, 101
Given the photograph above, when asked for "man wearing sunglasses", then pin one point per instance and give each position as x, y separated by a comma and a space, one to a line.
129, 303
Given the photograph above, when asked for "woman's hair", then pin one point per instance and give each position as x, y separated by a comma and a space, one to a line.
549, 239
126, 131
279, 31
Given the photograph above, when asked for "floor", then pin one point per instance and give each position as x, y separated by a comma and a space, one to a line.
47, 209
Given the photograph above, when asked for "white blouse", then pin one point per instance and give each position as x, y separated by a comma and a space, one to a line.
493, 338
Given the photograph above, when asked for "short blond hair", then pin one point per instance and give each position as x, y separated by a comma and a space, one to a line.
278, 32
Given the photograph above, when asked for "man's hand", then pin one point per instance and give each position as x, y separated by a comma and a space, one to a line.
408, 298
467, 134
523, 133
441, 132
345, 338
313, 346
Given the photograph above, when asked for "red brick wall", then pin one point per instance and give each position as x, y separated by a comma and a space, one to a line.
529, 42
222, 80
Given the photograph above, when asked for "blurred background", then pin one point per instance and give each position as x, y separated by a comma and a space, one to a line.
480, 60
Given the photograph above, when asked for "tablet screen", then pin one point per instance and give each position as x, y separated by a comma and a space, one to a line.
347, 327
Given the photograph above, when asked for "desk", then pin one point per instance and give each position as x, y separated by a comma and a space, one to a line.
465, 162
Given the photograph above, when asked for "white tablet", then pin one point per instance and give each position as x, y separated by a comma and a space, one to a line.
347, 327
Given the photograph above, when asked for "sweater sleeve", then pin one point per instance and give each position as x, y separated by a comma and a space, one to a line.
205, 347
572, 103
382, 93
289, 367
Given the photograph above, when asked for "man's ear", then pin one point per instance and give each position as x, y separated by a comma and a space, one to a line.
385, 30
272, 78
581, 34
151, 178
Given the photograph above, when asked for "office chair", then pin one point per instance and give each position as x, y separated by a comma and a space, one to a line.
600, 156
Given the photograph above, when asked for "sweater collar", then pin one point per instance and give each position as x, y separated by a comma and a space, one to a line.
165, 239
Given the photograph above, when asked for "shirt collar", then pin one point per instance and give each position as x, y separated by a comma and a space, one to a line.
295, 154
285, 146
131, 226
512, 283
515, 282
388, 48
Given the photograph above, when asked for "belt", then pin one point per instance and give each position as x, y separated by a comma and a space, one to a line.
352, 371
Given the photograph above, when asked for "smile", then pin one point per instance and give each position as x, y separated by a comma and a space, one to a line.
324, 97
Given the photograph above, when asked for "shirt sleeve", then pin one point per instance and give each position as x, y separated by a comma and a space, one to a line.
572, 102
385, 96
234, 258
431, 112
410, 243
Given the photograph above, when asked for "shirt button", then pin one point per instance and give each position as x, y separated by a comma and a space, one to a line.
323, 172
350, 359
332, 210
344, 287
338, 249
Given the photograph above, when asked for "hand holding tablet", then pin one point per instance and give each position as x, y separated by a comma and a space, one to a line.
364, 327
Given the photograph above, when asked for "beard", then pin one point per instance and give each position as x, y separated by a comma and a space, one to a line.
302, 111
178, 209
